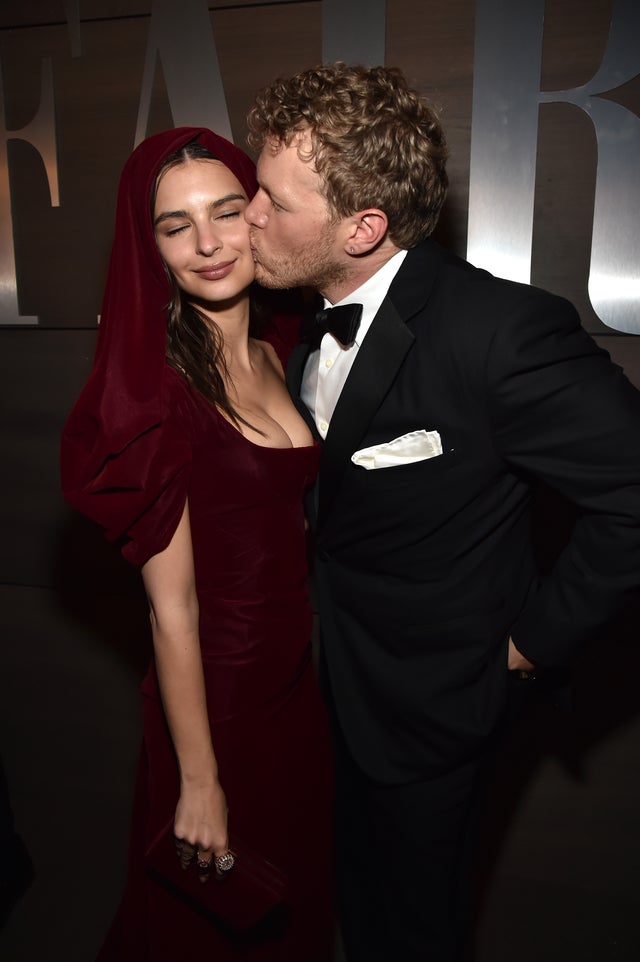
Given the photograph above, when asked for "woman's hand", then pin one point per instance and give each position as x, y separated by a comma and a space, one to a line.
200, 826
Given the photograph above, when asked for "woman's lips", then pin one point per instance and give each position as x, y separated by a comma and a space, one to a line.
215, 272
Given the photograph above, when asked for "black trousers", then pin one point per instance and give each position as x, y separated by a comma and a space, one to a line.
404, 862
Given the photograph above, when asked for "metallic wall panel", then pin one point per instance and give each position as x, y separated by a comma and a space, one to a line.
614, 277
504, 131
353, 31
504, 145
125, 67
181, 39
40, 133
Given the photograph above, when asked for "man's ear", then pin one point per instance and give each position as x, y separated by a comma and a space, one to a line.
367, 229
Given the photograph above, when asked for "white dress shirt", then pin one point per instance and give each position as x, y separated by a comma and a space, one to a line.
328, 367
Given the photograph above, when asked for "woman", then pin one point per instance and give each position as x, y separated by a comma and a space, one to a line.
186, 447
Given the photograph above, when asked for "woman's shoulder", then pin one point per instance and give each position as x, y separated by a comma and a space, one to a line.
191, 417
177, 392
184, 406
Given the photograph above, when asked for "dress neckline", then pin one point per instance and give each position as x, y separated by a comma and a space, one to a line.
267, 447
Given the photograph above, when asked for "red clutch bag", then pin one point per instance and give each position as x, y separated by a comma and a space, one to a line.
243, 897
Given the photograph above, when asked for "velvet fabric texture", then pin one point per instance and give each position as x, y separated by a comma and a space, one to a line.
118, 454
140, 442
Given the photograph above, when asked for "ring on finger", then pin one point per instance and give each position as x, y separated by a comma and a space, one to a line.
225, 862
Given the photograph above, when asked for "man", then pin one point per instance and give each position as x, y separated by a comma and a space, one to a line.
457, 392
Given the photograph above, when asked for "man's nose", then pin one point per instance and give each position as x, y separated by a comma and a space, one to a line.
255, 213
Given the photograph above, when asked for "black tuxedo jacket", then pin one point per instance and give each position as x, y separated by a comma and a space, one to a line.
424, 570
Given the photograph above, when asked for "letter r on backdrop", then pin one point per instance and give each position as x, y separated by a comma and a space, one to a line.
506, 100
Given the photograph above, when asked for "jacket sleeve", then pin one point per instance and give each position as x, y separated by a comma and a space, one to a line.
563, 413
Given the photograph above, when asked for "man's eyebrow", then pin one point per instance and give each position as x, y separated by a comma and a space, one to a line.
214, 205
272, 193
265, 186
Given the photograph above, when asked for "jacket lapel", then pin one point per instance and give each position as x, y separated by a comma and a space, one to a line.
374, 369
376, 366
295, 370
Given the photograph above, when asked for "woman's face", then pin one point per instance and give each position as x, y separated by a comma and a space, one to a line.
201, 232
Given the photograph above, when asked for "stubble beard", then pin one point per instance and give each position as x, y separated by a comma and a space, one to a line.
309, 266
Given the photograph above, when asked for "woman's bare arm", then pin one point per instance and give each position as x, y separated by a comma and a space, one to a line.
169, 578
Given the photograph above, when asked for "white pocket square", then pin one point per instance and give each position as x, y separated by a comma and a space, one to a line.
415, 446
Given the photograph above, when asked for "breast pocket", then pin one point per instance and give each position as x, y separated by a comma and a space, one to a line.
410, 475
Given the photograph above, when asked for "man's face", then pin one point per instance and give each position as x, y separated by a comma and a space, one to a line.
295, 242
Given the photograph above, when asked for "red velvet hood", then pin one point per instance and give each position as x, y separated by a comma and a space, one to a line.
122, 401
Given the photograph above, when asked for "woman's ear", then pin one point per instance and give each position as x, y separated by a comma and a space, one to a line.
368, 230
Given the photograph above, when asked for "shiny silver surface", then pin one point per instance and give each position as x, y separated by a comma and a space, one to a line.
504, 134
506, 101
181, 38
614, 275
354, 31
40, 132
506, 98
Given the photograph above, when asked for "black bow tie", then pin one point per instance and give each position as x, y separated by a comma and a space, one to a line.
342, 321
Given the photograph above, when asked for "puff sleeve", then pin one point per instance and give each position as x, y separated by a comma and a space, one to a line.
126, 451
137, 494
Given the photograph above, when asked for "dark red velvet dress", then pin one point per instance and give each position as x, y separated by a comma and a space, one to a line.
267, 720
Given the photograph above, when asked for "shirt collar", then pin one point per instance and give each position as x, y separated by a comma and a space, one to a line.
372, 293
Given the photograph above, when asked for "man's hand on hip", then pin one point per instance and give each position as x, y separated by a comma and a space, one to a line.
517, 661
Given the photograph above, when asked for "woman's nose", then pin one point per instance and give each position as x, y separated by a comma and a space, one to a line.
207, 241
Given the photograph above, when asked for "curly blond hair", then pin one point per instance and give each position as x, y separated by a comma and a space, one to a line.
375, 142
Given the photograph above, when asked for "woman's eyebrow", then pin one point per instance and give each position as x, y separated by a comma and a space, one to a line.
169, 214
